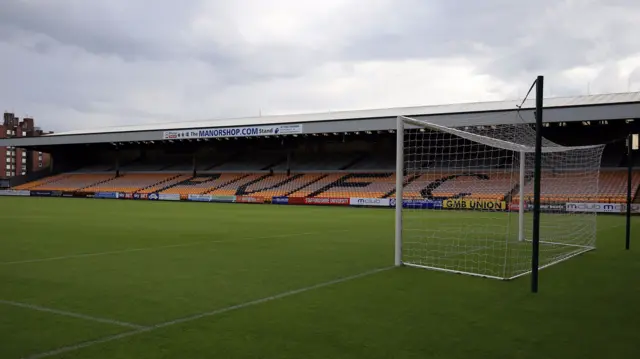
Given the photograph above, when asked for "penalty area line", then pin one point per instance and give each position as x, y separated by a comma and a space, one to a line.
142, 249
212, 313
70, 314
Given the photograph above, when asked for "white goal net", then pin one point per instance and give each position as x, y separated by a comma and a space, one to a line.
468, 198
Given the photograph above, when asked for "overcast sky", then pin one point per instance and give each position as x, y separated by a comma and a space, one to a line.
75, 64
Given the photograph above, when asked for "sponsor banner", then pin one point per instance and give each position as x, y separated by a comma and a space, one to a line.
594, 207
280, 200
224, 199
603, 207
474, 204
41, 193
169, 197
635, 208
544, 207
106, 195
12, 192
515, 206
296, 200
197, 197
68, 194
547, 207
82, 194
136, 196
227, 199
420, 204
153, 196
251, 131
374, 202
327, 201
249, 199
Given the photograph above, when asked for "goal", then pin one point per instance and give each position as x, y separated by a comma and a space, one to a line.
467, 197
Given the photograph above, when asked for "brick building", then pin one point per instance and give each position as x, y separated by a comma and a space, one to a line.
15, 161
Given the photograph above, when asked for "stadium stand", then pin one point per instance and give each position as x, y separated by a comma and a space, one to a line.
131, 182
612, 188
41, 182
203, 184
612, 185
74, 182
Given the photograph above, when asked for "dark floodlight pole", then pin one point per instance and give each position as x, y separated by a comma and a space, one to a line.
629, 174
535, 241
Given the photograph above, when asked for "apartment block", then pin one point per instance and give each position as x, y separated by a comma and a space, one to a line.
16, 161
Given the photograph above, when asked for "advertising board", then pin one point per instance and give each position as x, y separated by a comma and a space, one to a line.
112, 195
602, 207
474, 204
548, 207
374, 202
419, 204
198, 197
169, 197
280, 200
296, 200
249, 199
40, 193
11, 192
544, 207
635, 208
223, 199
326, 201
594, 207
251, 131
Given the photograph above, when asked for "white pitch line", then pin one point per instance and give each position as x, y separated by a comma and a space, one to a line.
202, 315
160, 247
71, 314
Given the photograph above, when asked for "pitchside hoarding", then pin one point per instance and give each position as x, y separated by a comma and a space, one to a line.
11, 192
280, 200
602, 207
374, 202
169, 197
252, 131
112, 195
326, 201
594, 207
474, 204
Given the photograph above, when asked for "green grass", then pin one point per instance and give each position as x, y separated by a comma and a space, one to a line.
175, 260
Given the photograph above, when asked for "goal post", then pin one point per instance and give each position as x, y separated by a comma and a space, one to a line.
463, 198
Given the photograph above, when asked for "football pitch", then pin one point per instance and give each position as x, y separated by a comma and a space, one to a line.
114, 279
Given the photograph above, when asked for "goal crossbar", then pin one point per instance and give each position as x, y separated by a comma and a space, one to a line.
480, 169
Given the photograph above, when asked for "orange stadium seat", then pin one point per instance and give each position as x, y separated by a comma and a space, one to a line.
74, 182
497, 187
131, 182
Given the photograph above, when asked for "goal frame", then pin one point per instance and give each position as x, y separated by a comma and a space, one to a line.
403, 123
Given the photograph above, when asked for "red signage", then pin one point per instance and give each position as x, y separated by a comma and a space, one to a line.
249, 199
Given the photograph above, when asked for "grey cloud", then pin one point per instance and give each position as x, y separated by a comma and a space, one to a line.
98, 57
130, 29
